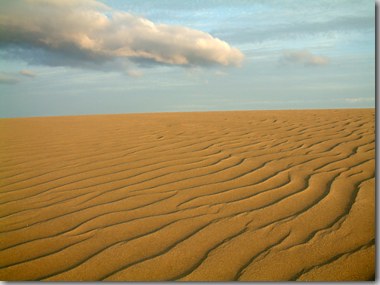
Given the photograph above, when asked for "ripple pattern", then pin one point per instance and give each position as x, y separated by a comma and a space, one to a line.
218, 196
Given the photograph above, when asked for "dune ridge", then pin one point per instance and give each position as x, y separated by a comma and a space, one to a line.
217, 196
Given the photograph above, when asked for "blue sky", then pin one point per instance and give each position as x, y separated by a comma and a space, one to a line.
197, 56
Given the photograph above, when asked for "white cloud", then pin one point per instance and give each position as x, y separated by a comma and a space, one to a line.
7, 78
87, 33
304, 57
220, 73
359, 99
135, 73
27, 73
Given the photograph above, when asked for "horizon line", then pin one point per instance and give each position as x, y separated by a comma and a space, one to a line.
177, 112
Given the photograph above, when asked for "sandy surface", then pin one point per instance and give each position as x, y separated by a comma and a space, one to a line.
266, 195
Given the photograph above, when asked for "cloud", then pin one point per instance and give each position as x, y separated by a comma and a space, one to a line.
359, 99
134, 73
87, 33
7, 78
13, 78
27, 73
303, 57
297, 28
220, 73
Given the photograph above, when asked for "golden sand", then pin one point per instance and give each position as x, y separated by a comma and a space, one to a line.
256, 195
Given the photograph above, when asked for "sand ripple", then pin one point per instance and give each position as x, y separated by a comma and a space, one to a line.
266, 195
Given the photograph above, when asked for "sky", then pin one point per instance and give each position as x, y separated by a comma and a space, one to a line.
78, 57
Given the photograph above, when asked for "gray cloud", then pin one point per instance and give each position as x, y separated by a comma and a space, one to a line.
87, 33
304, 57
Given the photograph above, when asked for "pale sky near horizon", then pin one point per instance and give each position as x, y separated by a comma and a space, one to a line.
105, 57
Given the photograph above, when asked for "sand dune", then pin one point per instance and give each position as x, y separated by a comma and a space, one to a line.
256, 195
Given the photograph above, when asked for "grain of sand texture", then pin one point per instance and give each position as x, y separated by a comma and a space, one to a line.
256, 195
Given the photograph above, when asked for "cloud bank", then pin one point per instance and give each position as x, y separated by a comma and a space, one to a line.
87, 33
303, 57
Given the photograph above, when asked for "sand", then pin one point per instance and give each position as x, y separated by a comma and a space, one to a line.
220, 196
